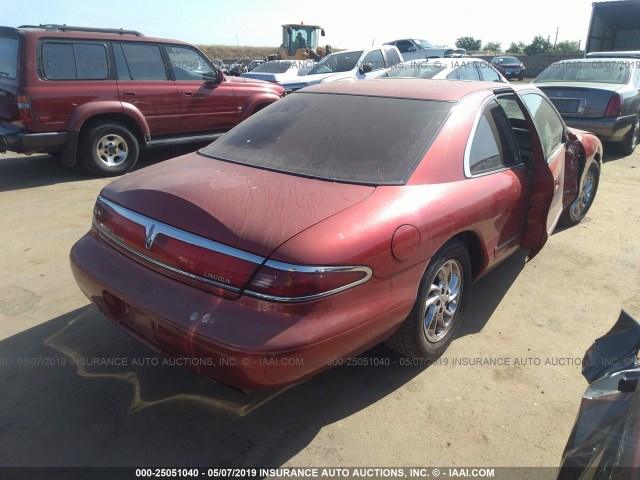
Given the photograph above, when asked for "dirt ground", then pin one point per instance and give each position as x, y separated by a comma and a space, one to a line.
532, 320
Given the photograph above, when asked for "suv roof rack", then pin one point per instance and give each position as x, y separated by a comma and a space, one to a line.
65, 28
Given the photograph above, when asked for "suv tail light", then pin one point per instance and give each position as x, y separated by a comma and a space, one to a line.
614, 108
24, 107
284, 282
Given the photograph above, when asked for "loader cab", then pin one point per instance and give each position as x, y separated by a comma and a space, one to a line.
297, 38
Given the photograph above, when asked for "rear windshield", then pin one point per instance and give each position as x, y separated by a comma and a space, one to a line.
344, 138
597, 71
8, 57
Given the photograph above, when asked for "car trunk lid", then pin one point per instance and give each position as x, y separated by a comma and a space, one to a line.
585, 102
213, 223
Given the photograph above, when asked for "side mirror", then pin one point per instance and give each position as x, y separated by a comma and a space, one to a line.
322, 32
289, 30
213, 77
366, 68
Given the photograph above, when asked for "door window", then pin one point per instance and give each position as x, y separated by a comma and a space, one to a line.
548, 123
188, 64
392, 56
375, 58
144, 61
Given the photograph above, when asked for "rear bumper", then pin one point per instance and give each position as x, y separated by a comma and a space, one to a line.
246, 343
607, 129
19, 140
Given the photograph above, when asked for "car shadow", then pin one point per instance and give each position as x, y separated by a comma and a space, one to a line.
78, 391
611, 153
39, 170
486, 294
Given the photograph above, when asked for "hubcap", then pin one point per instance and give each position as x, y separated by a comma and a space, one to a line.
112, 150
442, 301
586, 194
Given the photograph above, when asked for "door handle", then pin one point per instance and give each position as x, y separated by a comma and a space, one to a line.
187, 94
129, 92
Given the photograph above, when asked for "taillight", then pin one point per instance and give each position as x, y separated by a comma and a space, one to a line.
192, 259
284, 282
614, 108
24, 107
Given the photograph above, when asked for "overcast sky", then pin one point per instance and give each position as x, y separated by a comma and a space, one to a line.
347, 23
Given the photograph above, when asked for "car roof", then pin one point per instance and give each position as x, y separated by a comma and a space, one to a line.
415, 88
62, 31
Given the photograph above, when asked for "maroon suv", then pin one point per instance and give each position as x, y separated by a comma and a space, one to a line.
93, 96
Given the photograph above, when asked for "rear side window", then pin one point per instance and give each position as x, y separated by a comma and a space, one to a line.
493, 146
143, 62
74, 61
465, 71
488, 73
346, 138
8, 58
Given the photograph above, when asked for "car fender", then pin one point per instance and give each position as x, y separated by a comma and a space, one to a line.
88, 111
255, 101
591, 144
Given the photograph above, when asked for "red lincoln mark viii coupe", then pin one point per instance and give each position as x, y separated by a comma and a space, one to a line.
341, 216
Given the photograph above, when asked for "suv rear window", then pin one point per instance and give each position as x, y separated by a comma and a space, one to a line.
8, 57
345, 138
74, 61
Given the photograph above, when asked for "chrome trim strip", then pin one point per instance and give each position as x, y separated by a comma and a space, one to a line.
154, 228
163, 265
311, 269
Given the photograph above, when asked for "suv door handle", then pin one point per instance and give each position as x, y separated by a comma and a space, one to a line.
187, 94
129, 92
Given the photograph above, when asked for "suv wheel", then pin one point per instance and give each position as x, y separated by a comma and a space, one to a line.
109, 149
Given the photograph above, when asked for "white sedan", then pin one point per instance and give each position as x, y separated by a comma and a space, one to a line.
280, 70
447, 69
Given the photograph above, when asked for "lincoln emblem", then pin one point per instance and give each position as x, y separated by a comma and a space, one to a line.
149, 240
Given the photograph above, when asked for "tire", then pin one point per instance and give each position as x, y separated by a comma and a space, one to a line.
437, 314
108, 149
520, 77
628, 145
575, 212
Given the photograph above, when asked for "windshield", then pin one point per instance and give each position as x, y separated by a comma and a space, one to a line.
422, 69
8, 58
597, 71
424, 43
345, 138
337, 62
